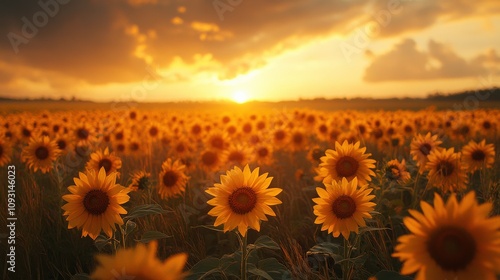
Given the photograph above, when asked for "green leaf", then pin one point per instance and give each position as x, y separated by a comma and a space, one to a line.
259, 272
152, 235
273, 267
80, 276
219, 229
204, 268
327, 248
390, 275
265, 241
144, 210
101, 241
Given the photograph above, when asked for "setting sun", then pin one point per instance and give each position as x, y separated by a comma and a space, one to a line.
240, 97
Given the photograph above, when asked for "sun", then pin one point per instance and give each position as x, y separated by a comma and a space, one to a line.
240, 97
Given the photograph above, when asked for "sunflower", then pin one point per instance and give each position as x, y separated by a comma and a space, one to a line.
40, 153
172, 179
478, 155
109, 161
217, 141
396, 171
342, 207
237, 154
139, 262
346, 161
421, 147
456, 240
211, 160
298, 140
83, 134
446, 170
263, 154
242, 199
140, 180
5, 152
94, 203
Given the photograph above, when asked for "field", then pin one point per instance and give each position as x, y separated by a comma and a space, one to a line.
87, 179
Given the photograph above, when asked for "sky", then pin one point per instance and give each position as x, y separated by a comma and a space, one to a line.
157, 50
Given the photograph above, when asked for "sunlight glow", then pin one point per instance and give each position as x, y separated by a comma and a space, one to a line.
240, 97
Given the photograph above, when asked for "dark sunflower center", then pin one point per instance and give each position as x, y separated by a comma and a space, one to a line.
170, 178
120, 147
452, 248
242, 200
209, 158
247, 128
378, 133
119, 136
425, 149
392, 172
323, 129
96, 202
390, 131
486, 125
395, 142
347, 166
231, 130
82, 133
279, 135
106, 163
134, 146
55, 128
445, 168
261, 125
298, 138
217, 142
61, 144
408, 129
344, 207
236, 156
143, 183
26, 132
263, 152
153, 131
478, 155
180, 148
42, 153
196, 129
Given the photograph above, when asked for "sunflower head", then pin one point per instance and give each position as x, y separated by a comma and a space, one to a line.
451, 241
346, 161
172, 179
446, 170
242, 199
477, 156
140, 262
141, 180
104, 159
40, 153
94, 203
342, 207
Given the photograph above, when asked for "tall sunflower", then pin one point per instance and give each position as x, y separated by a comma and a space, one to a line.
346, 161
40, 153
242, 199
139, 262
456, 240
94, 203
172, 179
109, 161
140, 180
446, 171
342, 207
421, 147
478, 155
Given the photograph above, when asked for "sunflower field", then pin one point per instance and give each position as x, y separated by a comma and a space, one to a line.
282, 194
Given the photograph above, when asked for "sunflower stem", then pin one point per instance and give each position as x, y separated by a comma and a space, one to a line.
243, 258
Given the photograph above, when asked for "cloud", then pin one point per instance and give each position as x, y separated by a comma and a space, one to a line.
406, 62
101, 42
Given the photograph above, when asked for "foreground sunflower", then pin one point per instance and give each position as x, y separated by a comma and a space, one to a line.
446, 171
94, 203
172, 179
451, 241
421, 147
342, 207
109, 161
346, 161
40, 153
242, 199
477, 156
139, 262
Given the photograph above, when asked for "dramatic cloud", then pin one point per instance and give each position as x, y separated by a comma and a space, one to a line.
406, 62
100, 42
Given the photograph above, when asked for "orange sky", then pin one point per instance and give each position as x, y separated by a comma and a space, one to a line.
154, 50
